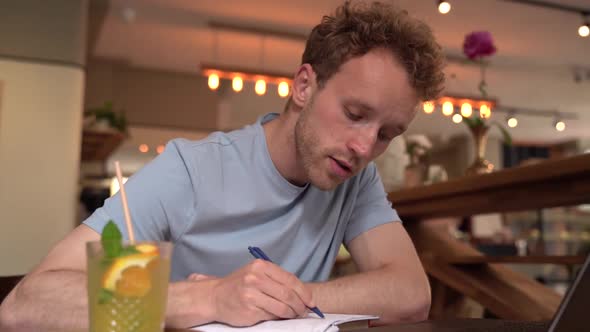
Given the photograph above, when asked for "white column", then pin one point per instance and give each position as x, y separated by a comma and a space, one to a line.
41, 97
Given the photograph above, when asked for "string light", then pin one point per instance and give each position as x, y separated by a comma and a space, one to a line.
444, 7
559, 125
239, 76
428, 107
260, 87
160, 149
283, 89
485, 106
144, 148
237, 84
485, 111
213, 81
466, 110
512, 121
584, 30
447, 108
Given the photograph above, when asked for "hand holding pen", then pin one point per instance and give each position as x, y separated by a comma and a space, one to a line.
258, 291
258, 253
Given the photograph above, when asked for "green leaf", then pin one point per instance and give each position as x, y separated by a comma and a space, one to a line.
483, 89
473, 122
112, 241
505, 134
105, 296
108, 105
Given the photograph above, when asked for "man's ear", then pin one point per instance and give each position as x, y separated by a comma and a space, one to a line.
303, 85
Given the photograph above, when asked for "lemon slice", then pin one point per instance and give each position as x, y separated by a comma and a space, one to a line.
114, 272
146, 248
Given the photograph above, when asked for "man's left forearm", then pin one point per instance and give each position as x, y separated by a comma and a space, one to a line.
390, 293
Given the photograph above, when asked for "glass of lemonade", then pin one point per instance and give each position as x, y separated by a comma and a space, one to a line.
127, 285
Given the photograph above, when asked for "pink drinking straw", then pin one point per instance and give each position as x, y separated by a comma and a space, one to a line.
125, 206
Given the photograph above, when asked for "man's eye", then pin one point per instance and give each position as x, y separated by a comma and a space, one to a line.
351, 115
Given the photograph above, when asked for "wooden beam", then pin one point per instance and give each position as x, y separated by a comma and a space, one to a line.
474, 260
552, 183
506, 293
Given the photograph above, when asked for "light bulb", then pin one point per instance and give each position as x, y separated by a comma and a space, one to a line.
428, 107
143, 148
584, 30
457, 118
237, 84
444, 7
160, 149
447, 108
560, 125
484, 111
260, 87
283, 89
466, 110
512, 122
213, 81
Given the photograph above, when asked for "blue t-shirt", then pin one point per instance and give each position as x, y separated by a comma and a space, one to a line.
215, 197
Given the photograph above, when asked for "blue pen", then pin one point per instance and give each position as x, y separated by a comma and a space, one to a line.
258, 253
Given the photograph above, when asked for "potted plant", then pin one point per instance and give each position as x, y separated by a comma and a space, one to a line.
479, 128
476, 46
105, 118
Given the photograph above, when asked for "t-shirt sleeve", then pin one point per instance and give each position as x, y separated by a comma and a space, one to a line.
161, 198
371, 207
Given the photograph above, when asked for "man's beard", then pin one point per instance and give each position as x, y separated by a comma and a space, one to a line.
308, 151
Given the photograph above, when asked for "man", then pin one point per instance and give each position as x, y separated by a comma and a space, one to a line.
296, 184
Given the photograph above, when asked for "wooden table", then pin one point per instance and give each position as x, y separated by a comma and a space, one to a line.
466, 325
456, 325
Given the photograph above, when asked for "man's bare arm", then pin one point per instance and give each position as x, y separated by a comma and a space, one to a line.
54, 293
53, 296
391, 282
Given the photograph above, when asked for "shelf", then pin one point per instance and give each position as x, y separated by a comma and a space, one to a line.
98, 145
552, 183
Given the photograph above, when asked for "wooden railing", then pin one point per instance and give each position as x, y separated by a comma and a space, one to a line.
457, 266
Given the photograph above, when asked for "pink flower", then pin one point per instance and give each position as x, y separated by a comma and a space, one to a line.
478, 44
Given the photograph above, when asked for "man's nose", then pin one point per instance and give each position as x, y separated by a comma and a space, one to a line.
363, 142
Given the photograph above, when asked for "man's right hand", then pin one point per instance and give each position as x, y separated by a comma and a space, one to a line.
257, 292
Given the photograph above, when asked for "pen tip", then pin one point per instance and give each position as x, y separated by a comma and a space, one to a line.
318, 312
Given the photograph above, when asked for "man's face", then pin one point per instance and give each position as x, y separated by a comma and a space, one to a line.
352, 119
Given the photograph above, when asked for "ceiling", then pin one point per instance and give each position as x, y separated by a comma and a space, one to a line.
539, 51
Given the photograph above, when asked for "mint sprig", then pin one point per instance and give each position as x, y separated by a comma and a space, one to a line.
112, 240
105, 296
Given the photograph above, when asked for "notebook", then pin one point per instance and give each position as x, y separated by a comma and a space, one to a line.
312, 323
